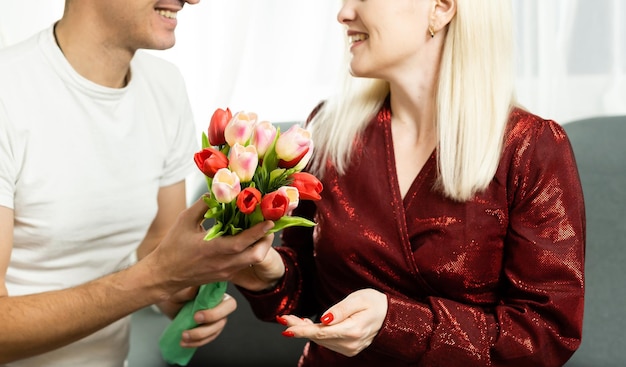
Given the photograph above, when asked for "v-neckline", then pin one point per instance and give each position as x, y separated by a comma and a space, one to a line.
419, 180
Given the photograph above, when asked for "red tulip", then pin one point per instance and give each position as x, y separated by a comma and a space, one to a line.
210, 160
274, 205
218, 123
308, 186
248, 199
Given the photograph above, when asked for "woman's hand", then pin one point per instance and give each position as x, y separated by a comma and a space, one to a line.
348, 327
262, 275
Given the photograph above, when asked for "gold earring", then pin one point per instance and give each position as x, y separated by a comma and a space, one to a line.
432, 32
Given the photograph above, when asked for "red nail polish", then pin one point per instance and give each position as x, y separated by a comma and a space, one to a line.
288, 334
327, 319
281, 320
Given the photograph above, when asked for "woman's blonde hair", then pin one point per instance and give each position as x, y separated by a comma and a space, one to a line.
474, 97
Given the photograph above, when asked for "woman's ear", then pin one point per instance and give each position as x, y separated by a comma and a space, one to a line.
442, 13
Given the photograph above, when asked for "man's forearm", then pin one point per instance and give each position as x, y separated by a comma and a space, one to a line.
38, 323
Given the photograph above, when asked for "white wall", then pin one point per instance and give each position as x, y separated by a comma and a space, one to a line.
20, 18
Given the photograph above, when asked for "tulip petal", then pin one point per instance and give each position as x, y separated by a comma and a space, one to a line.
244, 161
274, 205
219, 120
225, 186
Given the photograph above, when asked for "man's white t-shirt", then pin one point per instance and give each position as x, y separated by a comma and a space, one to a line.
81, 165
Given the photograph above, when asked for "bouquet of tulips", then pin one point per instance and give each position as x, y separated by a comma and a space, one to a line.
253, 173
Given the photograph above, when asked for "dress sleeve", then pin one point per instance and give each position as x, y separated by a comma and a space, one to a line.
293, 294
537, 320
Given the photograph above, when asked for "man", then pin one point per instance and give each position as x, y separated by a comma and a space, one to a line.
96, 139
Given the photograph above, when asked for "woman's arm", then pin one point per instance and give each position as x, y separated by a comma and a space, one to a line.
292, 293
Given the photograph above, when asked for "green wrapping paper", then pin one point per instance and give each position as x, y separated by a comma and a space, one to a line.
209, 296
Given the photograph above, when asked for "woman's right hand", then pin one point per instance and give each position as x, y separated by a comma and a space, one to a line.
262, 275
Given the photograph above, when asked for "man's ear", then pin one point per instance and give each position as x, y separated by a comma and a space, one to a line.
442, 13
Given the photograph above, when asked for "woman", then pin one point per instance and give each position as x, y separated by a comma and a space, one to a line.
451, 227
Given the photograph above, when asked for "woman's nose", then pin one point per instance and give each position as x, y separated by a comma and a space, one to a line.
346, 13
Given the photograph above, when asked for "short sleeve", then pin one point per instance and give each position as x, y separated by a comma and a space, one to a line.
8, 165
183, 144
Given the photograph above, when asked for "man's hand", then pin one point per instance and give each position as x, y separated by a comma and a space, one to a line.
183, 258
211, 322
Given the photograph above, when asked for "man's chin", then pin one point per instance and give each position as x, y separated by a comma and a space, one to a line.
162, 43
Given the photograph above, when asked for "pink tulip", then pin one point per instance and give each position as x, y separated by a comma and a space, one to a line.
263, 137
226, 185
243, 161
292, 146
305, 159
240, 127
293, 195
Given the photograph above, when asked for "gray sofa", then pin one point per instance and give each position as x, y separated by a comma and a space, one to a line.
600, 148
600, 151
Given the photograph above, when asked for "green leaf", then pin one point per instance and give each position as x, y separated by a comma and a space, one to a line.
270, 159
275, 174
291, 171
210, 201
291, 221
232, 230
225, 149
205, 140
214, 232
214, 212
278, 177
256, 216
215, 208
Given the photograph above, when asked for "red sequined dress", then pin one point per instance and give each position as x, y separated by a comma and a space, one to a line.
495, 281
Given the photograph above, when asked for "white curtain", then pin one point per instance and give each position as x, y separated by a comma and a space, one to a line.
280, 57
571, 57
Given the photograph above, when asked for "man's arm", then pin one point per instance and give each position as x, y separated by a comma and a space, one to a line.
171, 201
38, 323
